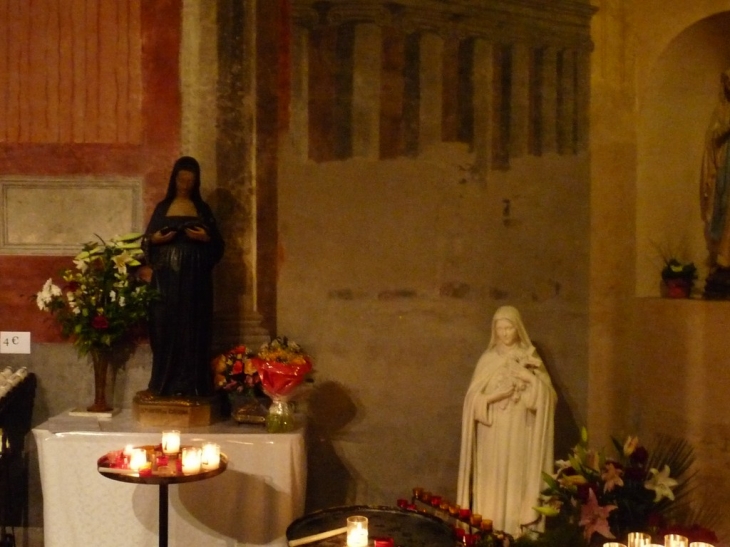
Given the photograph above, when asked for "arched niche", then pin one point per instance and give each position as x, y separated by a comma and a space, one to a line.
676, 103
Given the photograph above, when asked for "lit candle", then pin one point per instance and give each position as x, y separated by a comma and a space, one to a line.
700, 544
637, 539
357, 531
211, 456
171, 442
137, 459
675, 540
191, 457
613, 544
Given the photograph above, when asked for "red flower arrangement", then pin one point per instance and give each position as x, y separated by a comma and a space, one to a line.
282, 365
235, 372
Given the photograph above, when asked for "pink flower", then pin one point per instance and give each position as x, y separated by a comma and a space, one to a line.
595, 517
612, 477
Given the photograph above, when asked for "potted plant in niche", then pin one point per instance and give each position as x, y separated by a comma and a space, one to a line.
678, 278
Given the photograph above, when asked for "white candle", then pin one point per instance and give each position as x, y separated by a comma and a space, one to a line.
700, 544
613, 544
171, 442
637, 539
357, 531
211, 456
675, 540
191, 457
137, 459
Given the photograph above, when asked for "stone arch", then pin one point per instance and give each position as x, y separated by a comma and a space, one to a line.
674, 110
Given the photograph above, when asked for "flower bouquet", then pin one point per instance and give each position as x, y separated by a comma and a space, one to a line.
102, 304
593, 497
235, 374
282, 366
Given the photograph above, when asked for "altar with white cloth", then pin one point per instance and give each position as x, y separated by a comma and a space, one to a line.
251, 504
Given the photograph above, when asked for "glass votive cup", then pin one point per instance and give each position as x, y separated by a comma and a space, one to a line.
357, 531
613, 544
211, 458
700, 544
475, 519
171, 441
137, 459
675, 540
638, 539
191, 460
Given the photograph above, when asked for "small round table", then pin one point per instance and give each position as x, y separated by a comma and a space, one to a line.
163, 481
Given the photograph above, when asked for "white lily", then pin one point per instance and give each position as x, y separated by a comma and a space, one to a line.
661, 483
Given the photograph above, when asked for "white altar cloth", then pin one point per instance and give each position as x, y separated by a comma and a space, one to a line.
250, 504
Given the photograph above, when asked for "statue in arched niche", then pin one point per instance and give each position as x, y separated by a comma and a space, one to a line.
715, 194
507, 429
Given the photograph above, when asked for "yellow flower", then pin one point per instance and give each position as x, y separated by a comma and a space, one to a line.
630, 445
249, 367
572, 480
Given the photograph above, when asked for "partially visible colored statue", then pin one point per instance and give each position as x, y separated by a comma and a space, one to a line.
183, 245
507, 429
715, 193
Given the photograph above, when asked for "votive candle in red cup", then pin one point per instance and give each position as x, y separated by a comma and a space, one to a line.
435, 501
464, 514
417, 492
402, 503
460, 533
475, 519
383, 542
454, 510
425, 497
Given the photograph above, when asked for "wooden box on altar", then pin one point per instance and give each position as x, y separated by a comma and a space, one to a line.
173, 412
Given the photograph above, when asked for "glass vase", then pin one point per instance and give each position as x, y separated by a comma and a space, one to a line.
280, 418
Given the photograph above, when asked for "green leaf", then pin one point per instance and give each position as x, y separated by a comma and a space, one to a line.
131, 236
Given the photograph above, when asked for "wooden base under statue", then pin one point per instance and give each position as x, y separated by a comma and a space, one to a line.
174, 412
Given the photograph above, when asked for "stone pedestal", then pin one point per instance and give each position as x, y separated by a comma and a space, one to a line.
174, 412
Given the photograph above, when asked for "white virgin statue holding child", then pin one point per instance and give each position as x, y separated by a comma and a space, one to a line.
507, 429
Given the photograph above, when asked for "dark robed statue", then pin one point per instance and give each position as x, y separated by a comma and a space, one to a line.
182, 246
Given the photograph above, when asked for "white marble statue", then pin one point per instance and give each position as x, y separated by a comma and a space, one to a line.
507, 429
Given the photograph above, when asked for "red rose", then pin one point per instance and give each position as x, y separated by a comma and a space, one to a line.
72, 286
100, 322
237, 367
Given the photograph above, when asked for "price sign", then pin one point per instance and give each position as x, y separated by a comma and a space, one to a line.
14, 342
